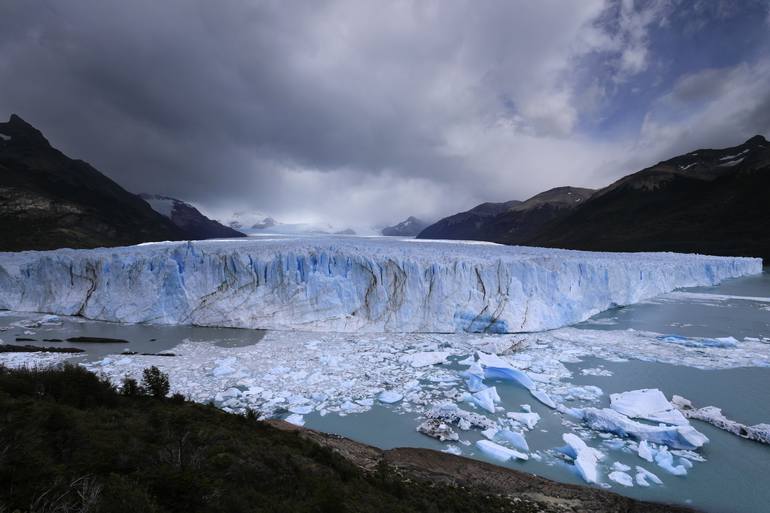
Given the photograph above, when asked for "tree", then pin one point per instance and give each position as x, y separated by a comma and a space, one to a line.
155, 382
130, 387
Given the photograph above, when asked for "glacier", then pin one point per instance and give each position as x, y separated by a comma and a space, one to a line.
351, 284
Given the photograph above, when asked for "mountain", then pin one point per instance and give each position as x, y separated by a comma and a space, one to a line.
707, 201
407, 228
524, 220
465, 225
246, 220
514, 222
48, 200
189, 218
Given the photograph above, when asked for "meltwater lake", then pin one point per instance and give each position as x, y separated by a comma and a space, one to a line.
710, 345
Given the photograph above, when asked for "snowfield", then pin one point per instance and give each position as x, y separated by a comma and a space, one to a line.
348, 284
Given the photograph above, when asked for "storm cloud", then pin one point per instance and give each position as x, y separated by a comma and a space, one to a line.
358, 112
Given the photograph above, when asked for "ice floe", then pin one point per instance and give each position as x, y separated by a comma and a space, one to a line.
584, 457
648, 404
714, 416
498, 452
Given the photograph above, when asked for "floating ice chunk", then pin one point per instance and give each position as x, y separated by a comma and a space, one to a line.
528, 419
489, 433
586, 393
665, 460
425, 358
450, 413
224, 366
475, 383
517, 440
595, 371
621, 478
543, 398
585, 458
609, 420
486, 399
389, 397
439, 429
714, 416
642, 475
297, 420
453, 449
303, 409
499, 452
723, 342
648, 404
621, 467
645, 451
509, 374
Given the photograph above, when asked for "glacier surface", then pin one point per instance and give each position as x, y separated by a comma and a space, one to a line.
348, 284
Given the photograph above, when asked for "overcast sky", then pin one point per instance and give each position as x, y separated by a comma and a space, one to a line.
356, 112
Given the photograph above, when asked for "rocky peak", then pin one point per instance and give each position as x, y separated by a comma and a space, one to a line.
19, 133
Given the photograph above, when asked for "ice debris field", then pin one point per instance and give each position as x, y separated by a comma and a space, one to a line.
348, 284
452, 383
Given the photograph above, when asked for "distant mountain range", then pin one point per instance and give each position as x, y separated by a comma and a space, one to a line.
409, 227
707, 201
48, 200
189, 218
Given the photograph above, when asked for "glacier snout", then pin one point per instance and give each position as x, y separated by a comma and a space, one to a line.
347, 284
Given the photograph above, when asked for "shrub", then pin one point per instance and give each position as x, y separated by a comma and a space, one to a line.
155, 382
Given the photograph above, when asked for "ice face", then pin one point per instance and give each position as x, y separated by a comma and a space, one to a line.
348, 284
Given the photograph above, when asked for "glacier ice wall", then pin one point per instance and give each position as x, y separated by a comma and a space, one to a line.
348, 284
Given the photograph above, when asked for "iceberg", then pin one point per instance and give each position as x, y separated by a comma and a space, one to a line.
585, 458
528, 419
517, 440
498, 452
609, 420
340, 284
714, 416
648, 404
389, 397
486, 399
621, 478
642, 475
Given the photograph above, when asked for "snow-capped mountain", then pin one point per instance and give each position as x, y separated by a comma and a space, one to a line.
259, 223
410, 227
189, 218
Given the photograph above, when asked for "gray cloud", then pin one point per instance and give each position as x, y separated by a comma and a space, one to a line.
334, 110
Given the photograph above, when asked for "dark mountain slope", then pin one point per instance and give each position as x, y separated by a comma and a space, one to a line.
189, 218
708, 201
523, 221
465, 225
513, 222
48, 200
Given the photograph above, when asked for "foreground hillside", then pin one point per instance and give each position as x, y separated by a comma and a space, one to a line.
71, 442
